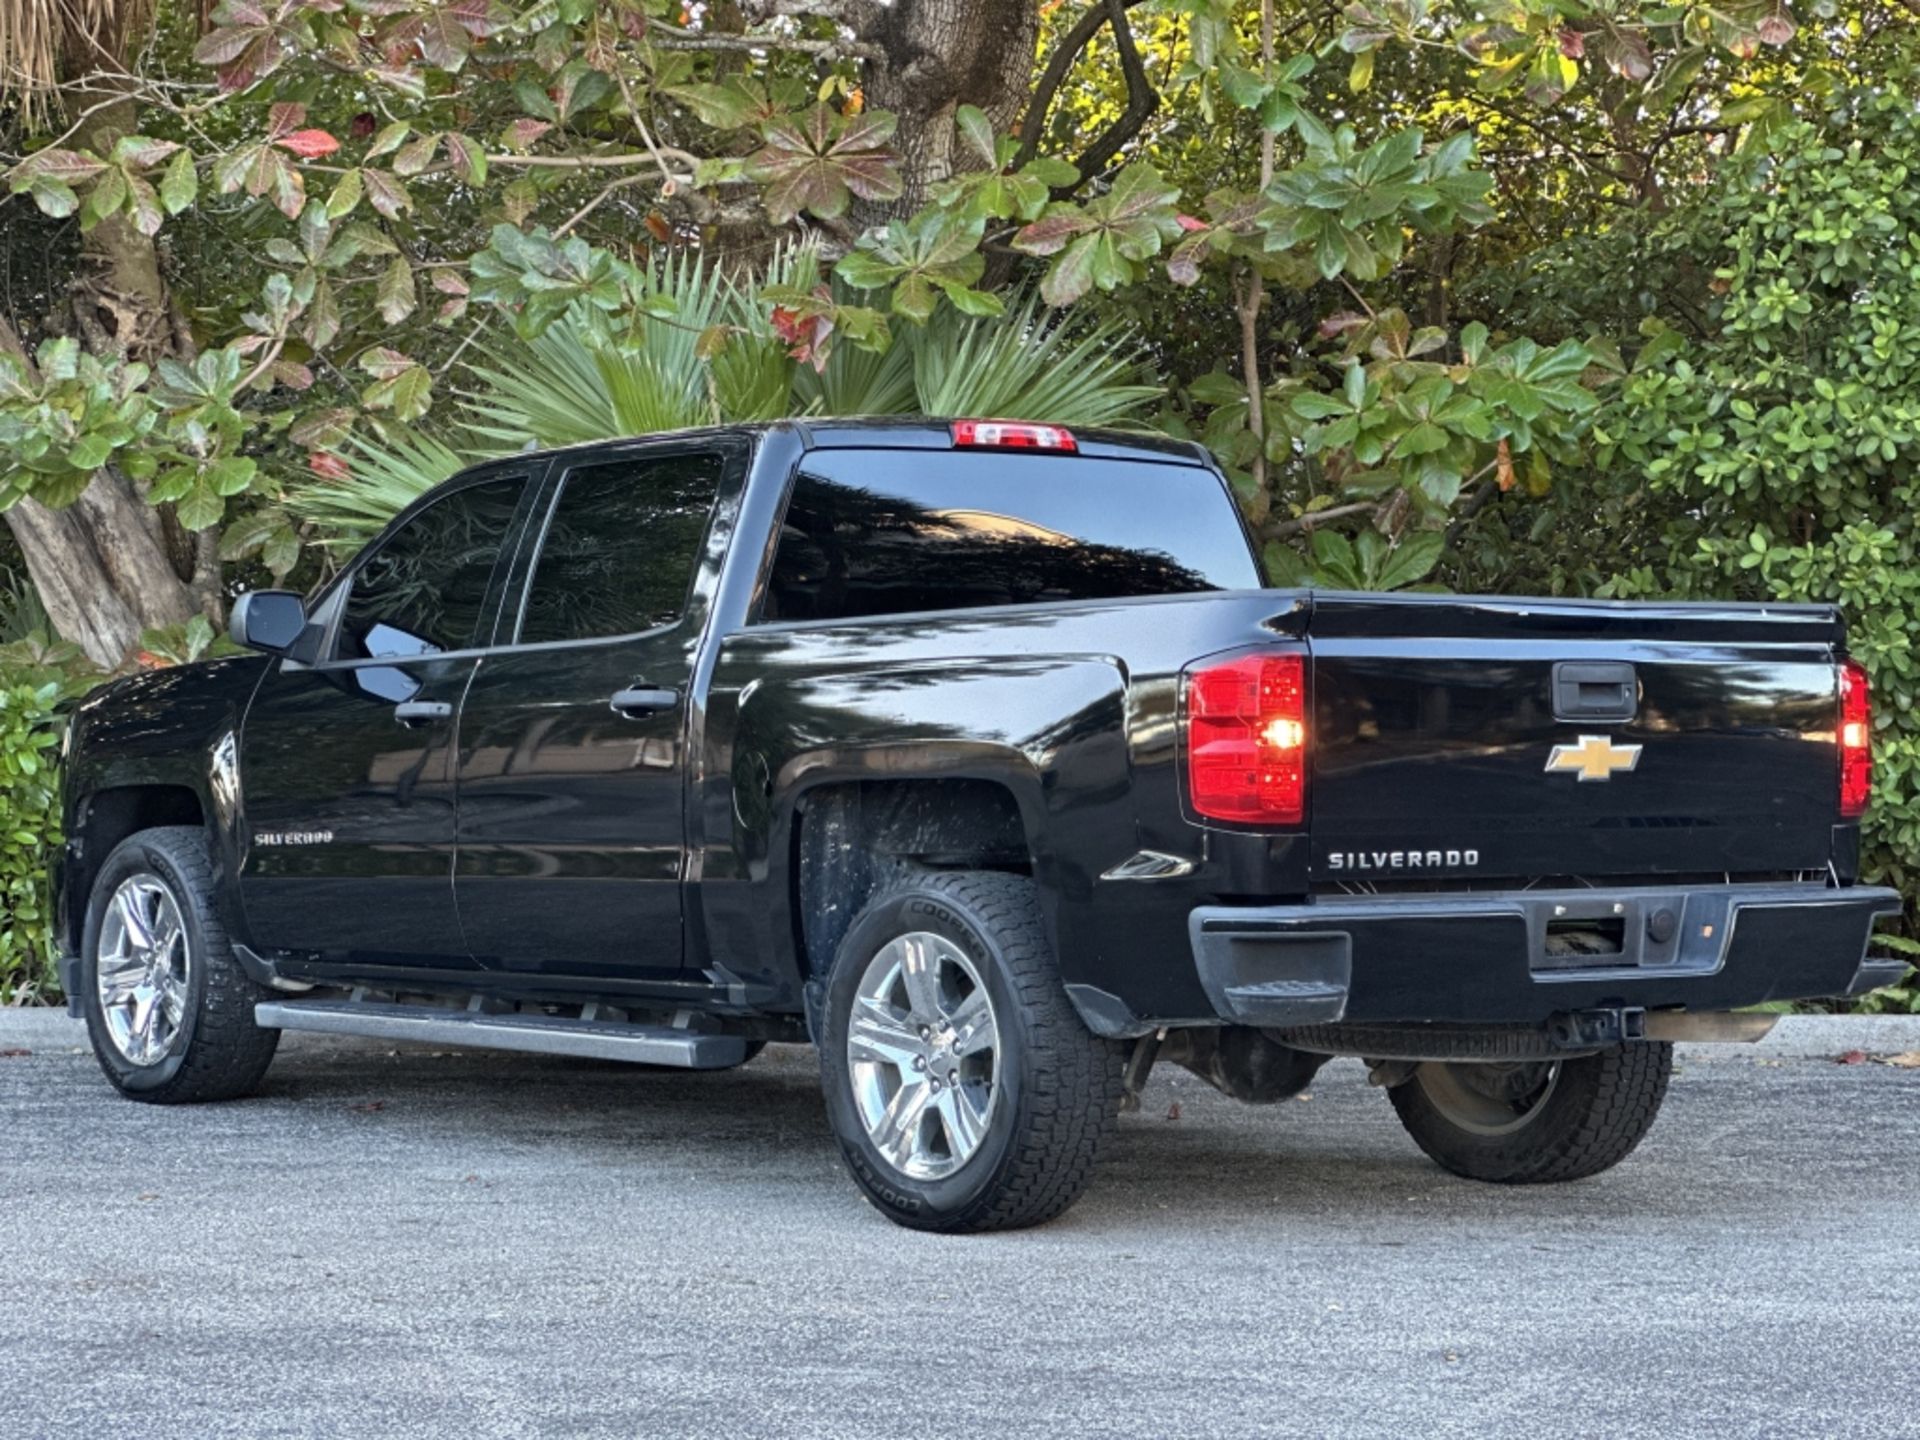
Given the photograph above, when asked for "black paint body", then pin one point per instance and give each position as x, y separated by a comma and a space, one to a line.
534, 842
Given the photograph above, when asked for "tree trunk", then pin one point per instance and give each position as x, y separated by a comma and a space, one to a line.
940, 55
86, 562
102, 566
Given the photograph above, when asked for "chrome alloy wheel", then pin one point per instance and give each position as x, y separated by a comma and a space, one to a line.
1489, 1099
142, 971
923, 1051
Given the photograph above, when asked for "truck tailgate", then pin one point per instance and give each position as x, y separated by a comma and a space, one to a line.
1523, 739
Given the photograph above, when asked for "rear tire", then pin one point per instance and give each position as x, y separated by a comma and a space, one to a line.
1536, 1124
973, 1097
174, 1024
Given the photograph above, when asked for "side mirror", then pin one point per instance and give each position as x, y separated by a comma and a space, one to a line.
268, 620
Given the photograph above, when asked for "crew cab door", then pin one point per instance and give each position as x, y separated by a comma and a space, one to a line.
346, 763
571, 769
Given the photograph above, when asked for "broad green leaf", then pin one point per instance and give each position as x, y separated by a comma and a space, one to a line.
397, 296
977, 131
181, 184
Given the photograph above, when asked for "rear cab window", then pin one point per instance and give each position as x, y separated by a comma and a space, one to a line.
887, 532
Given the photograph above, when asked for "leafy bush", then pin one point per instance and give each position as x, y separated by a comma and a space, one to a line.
29, 831
1764, 444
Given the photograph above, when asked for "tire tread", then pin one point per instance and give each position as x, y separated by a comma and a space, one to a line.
1073, 1079
228, 1054
1589, 1126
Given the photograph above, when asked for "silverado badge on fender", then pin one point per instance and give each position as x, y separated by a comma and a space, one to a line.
1593, 757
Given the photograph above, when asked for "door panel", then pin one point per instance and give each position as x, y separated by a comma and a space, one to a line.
347, 765
572, 843
350, 812
571, 839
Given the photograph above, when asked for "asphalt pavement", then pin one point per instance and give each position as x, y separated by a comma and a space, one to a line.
394, 1243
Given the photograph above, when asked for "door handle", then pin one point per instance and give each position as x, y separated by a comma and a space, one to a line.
640, 700
419, 712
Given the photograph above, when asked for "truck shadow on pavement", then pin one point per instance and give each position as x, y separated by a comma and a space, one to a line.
1189, 1153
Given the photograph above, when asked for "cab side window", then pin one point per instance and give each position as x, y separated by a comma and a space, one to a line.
621, 550
425, 589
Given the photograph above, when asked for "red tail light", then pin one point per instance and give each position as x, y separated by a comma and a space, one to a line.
1856, 739
1247, 739
1012, 435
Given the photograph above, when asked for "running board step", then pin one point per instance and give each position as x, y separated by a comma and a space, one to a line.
535, 1034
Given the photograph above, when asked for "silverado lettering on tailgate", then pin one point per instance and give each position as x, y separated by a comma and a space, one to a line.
1402, 859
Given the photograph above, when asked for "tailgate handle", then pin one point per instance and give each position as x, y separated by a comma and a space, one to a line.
1595, 690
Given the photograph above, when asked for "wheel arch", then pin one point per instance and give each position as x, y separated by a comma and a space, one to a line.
851, 838
101, 819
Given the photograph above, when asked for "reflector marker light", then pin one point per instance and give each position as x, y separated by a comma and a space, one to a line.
1012, 435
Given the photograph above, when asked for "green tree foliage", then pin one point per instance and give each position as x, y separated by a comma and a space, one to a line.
1780, 445
494, 163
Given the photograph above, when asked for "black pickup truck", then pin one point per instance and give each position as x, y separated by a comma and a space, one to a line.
975, 754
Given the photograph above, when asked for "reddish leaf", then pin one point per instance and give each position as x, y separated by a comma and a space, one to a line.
521, 134
1050, 234
309, 144
239, 12
806, 331
1852, 1057
387, 194
224, 46
1628, 57
480, 17
385, 363
322, 429
64, 165
1503, 462
1573, 44
1776, 28
260, 57
284, 117
819, 163
398, 42
328, 466
445, 41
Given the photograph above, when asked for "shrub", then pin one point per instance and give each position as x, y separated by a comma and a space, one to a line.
29, 832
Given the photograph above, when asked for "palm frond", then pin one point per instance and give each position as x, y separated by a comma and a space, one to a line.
581, 380
385, 477
21, 612
857, 382
1028, 366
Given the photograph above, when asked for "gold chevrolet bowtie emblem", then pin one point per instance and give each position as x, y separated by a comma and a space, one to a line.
1593, 757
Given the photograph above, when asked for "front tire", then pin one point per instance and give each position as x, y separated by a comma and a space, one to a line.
1538, 1123
965, 1091
168, 1008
